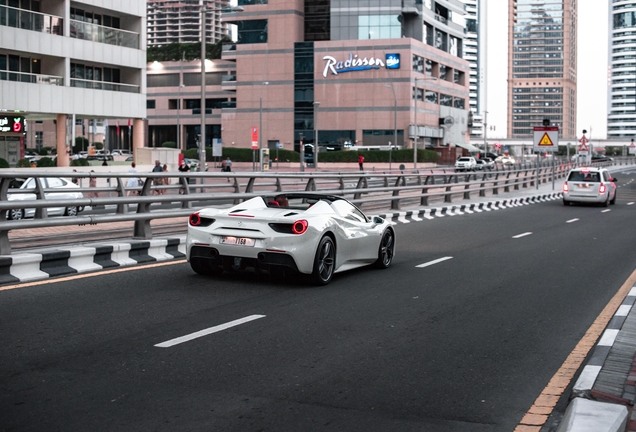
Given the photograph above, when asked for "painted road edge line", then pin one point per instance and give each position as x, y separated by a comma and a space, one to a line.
572, 220
208, 331
430, 263
522, 235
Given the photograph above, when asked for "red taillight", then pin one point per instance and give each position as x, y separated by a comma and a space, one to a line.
195, 219
300, 226
602, 189
566, 188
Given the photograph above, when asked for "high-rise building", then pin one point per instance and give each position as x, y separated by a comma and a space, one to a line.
621, 104
179, 21
542, 66
69, 60
472, 53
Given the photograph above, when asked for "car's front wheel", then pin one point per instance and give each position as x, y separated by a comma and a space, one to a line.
324, 261
386, 249
15, 214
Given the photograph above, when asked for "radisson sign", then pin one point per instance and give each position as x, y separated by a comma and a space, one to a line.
355, 63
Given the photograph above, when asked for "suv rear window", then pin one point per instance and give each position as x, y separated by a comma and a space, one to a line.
592, 177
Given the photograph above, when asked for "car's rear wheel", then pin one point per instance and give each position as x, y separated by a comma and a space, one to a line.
71, 211
606, 203
205, 267
386, 249
324, 262
566, 202
15, 214
613, 201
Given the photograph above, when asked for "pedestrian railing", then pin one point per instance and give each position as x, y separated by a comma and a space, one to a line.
184, 193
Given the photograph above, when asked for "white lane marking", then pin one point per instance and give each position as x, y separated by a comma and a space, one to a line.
572, 220
522, 235
433, 262
205, 332
605, 211
631, 203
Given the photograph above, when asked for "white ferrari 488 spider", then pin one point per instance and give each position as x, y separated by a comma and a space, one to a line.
312, 234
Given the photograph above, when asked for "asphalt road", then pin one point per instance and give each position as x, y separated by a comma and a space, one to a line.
463, 344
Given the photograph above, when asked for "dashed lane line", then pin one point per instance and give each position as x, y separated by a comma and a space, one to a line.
522, 235
430, 263
208, 331
572, 220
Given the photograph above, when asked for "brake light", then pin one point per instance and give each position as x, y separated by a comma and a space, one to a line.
195, 219
299, 227
602, 189
566, 187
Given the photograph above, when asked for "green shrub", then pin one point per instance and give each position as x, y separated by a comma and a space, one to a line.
98, 145
4, 163
81, 144
23, 163
191, 153
80, 162
45, 162
169, 144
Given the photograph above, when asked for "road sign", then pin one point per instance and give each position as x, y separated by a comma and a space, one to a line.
546, 138
254, 138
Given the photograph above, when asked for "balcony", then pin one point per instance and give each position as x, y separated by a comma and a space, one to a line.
34, 21
108, 35
103, 85
31, 78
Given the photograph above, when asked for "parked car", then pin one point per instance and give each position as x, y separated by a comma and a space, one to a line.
465, 163
490, 155
194, 164
65, 189
295, 232
506, 160
485, 164
120, 153
589, 185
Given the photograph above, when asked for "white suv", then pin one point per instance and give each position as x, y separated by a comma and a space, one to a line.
465, 163
589, 185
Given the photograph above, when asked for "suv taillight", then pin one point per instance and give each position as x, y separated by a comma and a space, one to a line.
602, 189
566, 187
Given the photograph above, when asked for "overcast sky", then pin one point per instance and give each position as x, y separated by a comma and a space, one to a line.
591, 74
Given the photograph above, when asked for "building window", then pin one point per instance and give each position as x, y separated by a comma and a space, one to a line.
431, 97
418, 63
163, 80
379, 27
151, 104
458, 103
445, 100
39, 140
251, 2
253, 31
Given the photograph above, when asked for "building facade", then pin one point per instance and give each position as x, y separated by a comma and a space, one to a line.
179, 21
542, 65
66, 60
621, 103
474, 53
344, 73
348, 72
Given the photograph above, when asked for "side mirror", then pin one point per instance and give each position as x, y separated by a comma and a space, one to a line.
614, 180
377, 220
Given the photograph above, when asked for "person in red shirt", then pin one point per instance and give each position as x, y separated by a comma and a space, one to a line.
360, 162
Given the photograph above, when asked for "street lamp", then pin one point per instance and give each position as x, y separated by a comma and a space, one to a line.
204, 10
260, 125
394, 122
316, 147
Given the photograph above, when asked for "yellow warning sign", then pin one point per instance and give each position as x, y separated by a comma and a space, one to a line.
546, 141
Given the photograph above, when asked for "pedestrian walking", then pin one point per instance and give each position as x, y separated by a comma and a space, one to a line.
165, 180
132, 181
361, 162
184, 168
93, 184
157, 181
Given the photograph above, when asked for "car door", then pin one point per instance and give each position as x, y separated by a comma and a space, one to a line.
361, 239
55, 183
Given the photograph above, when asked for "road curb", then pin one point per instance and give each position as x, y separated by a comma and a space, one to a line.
53, 262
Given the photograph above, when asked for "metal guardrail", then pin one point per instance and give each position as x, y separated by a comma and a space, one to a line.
369, 190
